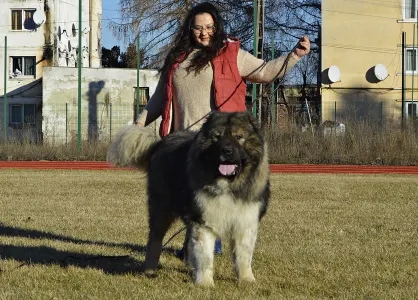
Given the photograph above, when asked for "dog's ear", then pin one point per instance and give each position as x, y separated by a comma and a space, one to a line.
208, 120
253, 122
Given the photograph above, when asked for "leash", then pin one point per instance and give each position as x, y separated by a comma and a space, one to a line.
174, 235
283, 68
259, 97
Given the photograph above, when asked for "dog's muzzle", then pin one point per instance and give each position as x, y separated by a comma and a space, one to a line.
230, 161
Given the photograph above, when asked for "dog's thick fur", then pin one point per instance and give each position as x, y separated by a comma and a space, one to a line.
216, 180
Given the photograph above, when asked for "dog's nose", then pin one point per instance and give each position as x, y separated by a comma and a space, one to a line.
227, 150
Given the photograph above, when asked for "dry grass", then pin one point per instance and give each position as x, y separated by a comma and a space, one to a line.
324, 236
26, 151
363, 144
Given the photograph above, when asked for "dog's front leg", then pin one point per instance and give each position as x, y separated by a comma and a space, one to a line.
243, 242
201, 254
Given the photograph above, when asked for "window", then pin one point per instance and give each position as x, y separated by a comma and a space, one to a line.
411, 109
22, 114
411, 60
22, 66
22, 19
410, 9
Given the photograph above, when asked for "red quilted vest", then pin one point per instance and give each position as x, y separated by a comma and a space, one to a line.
230, 89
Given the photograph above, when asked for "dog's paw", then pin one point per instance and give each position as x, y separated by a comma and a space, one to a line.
204, 278
249, 277
150, 273
204, 282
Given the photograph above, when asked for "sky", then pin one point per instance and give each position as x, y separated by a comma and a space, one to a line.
110, 11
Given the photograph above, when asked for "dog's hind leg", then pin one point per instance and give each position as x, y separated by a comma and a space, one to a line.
158, 226
243, 241
201, 254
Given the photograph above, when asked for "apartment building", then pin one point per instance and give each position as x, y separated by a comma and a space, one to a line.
362, 60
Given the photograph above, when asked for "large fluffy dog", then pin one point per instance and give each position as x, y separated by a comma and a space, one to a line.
216, 180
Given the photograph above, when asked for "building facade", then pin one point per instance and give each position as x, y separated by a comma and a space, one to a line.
35, 34
362, 60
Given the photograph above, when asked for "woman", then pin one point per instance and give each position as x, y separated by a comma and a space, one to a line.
205, 70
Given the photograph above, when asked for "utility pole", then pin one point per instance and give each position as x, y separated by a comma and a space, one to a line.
138, 65
258, 19
273, 100
403, 77
319, 72
79, 64
260, 28
5, 90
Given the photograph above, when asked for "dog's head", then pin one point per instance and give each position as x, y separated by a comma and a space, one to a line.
230, 143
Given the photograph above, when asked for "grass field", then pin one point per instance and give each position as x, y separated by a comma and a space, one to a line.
81, 235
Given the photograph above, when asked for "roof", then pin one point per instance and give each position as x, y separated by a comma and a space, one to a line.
30, 90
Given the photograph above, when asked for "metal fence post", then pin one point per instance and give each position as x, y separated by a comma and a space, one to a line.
138, 64
381, 112
110, 125
66, 124
277, 109
335, 111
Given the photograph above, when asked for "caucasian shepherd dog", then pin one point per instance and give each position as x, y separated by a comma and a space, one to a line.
216, 180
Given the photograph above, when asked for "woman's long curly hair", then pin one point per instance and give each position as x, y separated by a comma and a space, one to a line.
185, 44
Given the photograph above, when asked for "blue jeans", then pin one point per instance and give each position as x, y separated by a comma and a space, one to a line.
218, 246
217, 250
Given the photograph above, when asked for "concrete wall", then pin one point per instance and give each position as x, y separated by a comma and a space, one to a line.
108, 101
355, 37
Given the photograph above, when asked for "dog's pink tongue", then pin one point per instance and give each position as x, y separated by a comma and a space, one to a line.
226, 169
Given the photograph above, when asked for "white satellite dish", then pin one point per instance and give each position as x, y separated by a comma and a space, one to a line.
39, 17
380, 72
334, 74
73, 42
62, 47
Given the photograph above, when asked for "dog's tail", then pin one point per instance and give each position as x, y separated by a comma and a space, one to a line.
131, 147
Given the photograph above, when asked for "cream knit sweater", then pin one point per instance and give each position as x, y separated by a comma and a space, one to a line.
193, 96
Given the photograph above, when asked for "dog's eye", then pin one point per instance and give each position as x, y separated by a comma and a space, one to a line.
216, 135
238, 137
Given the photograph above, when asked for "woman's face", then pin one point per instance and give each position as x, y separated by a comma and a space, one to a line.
203, 29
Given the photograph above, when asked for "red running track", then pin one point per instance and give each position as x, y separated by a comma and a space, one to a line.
285, 168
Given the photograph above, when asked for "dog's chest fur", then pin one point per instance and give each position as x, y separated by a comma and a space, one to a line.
224, 213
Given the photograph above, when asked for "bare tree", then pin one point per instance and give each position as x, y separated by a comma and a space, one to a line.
157, 22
